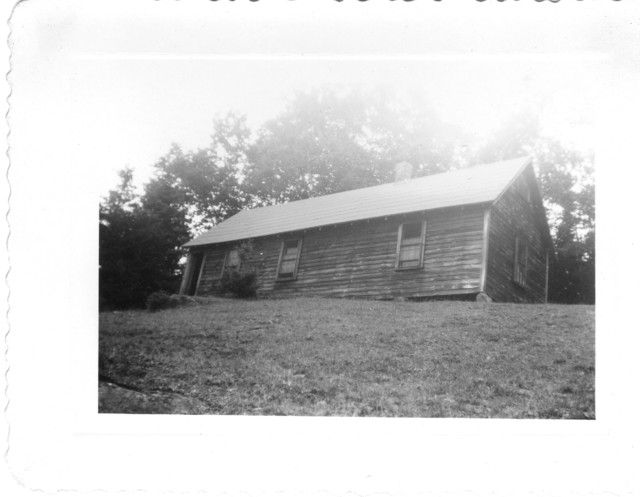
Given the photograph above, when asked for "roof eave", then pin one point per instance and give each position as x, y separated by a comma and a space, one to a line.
192, 243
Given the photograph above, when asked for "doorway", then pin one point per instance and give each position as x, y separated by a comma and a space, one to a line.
194, 277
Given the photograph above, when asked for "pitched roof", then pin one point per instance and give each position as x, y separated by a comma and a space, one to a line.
478, 184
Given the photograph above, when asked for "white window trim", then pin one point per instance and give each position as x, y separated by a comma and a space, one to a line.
423, 234
225, 264
295, 269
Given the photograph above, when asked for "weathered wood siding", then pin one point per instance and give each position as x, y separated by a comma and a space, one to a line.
358, 260
513, 216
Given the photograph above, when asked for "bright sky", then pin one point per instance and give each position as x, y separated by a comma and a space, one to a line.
109, 87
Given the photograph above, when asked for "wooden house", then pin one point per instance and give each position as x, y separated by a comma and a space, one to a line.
460, 234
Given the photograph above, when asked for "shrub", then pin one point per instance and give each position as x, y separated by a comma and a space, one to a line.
160, 300
241, 285
242, 282
177, 300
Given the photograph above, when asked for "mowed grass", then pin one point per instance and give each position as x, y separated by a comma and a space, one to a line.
352, 358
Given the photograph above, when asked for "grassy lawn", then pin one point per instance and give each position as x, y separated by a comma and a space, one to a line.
351, 358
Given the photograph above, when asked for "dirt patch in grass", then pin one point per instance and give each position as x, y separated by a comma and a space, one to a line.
346, 358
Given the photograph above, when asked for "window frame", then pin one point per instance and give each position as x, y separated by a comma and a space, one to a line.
423, 234
225, 264
294, 274
520, 274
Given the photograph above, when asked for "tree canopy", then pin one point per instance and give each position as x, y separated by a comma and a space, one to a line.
326, 142
207, 182
140, 241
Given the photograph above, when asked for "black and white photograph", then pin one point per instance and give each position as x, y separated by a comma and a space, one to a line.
340, 248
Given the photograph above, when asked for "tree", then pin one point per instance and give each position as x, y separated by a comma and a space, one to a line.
140, 239
141, 236
313, 148
407, 128
325, 142
206, 183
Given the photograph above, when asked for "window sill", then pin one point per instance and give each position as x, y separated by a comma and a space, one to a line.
412, 268
292, 278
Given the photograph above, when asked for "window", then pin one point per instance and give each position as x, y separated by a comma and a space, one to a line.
410, 245
289, 258
232, 261
521, 262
